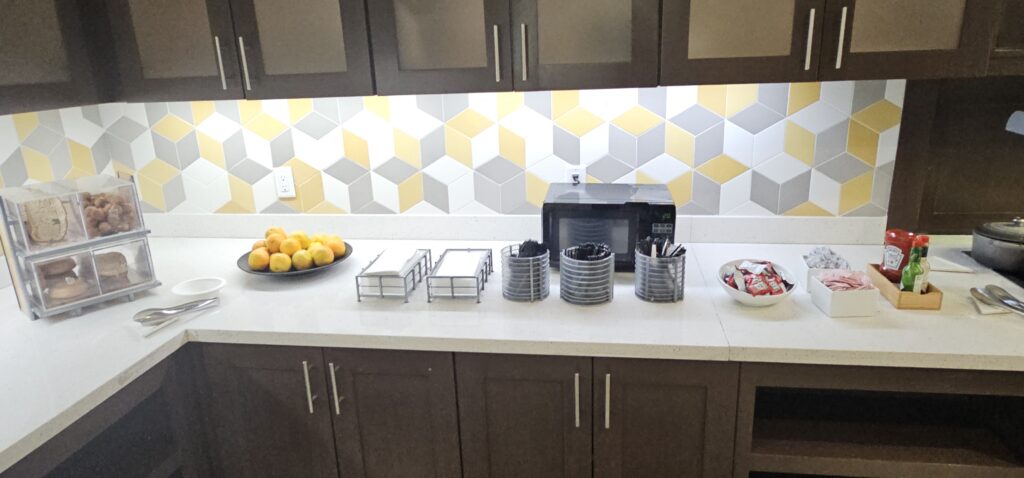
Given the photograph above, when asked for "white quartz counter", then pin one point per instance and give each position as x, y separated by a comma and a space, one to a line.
54, 371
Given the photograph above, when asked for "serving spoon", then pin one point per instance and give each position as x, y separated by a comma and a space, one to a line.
1005, 299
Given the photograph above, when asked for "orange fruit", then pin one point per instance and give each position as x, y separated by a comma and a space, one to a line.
274, 230
259, 259
290, 246
280, 262
258, 244
303, 239
302, 260
322, 255
274, 242
337, 247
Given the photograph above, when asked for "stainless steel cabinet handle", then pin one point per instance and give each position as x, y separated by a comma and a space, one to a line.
607, 401
842, 39
245, 64
309, 386
220, 63
810, 41
576, 397
334, 388
522, 45
497, 57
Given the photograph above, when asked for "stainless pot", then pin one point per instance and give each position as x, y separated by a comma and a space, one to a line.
1000, 245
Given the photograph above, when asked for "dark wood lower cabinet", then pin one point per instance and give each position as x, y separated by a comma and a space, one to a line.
660, 418
524, 416
395, 413
268, 411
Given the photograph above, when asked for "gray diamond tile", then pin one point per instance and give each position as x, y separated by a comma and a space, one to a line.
499, 170
374, 208
432, 147
181, 109
156, 112
360, 192
756, 118
696, 119
164, 149
843, 168
348, 107
650, 145
249, 171
282, 149
881, 188
101, 155
765, 192
435, 193
454, 104
229, 109
395, 170
539, 101
326, 107
653, 99
608, 169
346, 171
92, 113
119, 150
867, 93
709, 144
278, 207
706, 193
487, 192
316, 125
566, 146
795, 192
174, 193
831, 142
513, 194
867, 210
775, 96
60, 160
432, 105
234, 149
51, 119
622, 145
13, 170
126, 129
42, 140
187, 150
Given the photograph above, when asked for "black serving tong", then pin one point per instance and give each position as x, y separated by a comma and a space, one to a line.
659, 247
531, 248
589, 251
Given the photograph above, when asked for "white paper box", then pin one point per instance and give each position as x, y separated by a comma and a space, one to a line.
851, 303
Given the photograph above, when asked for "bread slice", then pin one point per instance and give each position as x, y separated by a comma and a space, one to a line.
47, 220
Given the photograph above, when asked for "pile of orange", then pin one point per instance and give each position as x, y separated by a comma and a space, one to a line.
279, 251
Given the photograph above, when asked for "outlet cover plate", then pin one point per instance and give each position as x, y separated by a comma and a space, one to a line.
284, 182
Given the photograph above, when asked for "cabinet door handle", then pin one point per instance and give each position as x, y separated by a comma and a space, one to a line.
309, 387
334, 388
810, 41
522, 46
607, 401
576, 397
220, 63
842, 39
245, 64
497, 57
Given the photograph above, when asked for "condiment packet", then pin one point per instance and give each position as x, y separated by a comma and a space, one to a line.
825, 258
841, 280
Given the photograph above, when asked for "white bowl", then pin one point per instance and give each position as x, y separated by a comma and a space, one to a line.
201, 288
761, 300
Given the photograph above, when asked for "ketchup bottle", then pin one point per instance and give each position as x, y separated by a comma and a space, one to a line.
896, 254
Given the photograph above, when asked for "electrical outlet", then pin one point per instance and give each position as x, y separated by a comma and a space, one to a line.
126, 176
284, 182
575, 174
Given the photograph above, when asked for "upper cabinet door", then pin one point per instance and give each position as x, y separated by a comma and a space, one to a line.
171, 50
567, 44
43, 59
1008, 54
734, 41
302, 49
440, 46
913, 39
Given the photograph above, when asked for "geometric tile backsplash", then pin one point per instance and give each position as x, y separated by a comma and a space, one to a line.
821, 149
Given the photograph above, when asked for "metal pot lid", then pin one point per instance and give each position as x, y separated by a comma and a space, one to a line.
1012, 231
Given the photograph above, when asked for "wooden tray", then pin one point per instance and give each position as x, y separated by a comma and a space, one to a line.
930, 300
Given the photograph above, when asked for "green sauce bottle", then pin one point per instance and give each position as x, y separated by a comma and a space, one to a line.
914, 278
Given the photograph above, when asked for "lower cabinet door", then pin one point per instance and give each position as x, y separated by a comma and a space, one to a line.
268, 412
659, 418
524, 416
394, 413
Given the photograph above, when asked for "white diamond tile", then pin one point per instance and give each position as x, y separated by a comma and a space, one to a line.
782, 168
664, 168
263, 192
594, 145
76, 128
485, 146
336, 193
484, 103
257, 149
8, 137
887, 142
894, 91
825, 192
818, 117
735, 192
385, 192
838, 94
749, 208
739, 144
551, 169
318, 153
219, 127
446, 170
769, 143
609, 104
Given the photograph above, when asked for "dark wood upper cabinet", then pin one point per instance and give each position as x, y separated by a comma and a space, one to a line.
303, 49
660, 418
564, 44
440, 46
268, 411
394, 413
524, 416
907, 39
1008, 53
44, 58
170, 50
740, 41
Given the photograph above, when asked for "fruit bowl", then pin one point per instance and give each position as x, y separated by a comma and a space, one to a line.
243, 263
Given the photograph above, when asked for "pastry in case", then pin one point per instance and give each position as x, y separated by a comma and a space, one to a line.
63, 280
123, 265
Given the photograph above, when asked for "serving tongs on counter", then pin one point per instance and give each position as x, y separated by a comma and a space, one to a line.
996, 296
158, 316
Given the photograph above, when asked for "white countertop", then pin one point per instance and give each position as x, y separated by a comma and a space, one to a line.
55, 371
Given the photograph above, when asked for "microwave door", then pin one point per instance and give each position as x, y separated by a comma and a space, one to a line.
607, 226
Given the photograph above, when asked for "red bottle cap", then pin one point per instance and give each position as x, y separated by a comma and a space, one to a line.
921, 241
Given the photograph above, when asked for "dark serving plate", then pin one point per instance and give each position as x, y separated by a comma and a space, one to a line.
243, 263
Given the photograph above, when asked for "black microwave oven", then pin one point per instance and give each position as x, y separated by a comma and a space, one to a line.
615, 214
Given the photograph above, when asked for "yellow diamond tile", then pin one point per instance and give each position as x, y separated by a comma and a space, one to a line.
681, 188
536, 189
679, 143
81, 158
356, 148
712, 97
509, 102
410, 192
158, 171
579, 121
593, 180
378, 105
37, 165
25, 124
202, 110
879, 116
458, 146
802, 95
563, 101
739, 97
637, 121
249, 110
799, 143
512, 147
311, 192
211, 149
807, 209
298, 109
326, 208
407, 148
470, 123
856, 192
643, 178
862, 142
242, 200
722, 168
173, 128
266, 126
302, 172
152, 193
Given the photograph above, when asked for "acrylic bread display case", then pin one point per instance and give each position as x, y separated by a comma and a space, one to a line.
74, 243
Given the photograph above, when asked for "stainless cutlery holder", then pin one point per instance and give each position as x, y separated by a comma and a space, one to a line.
525, 279
659, 279
587, 282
